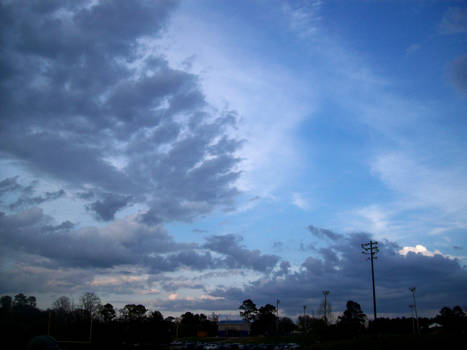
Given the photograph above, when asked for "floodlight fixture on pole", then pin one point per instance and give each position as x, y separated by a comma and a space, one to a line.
413, 289
325, 293
370, 249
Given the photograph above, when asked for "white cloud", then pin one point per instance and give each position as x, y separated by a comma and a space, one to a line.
254, 87
304, 17
375, 218
299, 201
418, 249
423, 185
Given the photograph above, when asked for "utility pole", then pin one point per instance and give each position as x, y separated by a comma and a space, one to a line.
304, 318
325, 293
415, 308
370, 249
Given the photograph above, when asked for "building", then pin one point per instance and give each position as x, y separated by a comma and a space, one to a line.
238, 328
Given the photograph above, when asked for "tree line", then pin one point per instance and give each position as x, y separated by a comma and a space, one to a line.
352, 322
90, 319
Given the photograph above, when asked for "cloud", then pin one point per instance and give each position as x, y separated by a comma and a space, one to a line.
418, 249
324, 233
342, 269
106, 208
237, 256
300, 202
422, 184
26, 201
89, 105
9, 185
303, 17
454, 21
458, 71
19, 196
122, 243
119, 243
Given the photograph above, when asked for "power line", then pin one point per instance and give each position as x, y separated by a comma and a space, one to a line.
370, 249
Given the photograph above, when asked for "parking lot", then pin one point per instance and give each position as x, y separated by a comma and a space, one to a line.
231, 346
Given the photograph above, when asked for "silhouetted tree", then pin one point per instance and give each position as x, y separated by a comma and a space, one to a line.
248, 310
353, 319
132, 312
265, 322
286, 326
191, 324
156, 316
304, 323
107, 312
90, 302
62, 304
311, 324
6, 303
23, 303
452, 320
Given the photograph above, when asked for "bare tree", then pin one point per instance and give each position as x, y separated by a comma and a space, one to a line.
62, 304
90, 302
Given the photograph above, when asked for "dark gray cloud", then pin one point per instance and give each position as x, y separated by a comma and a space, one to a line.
237, 256
23, 196
120, 243
87, 105
342, 269
26, 201
126, 242
9, 185
109, 205
323, 233
458, 70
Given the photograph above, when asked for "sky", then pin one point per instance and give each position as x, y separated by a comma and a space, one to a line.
188, 155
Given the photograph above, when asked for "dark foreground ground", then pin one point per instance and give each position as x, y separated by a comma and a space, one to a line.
396, 342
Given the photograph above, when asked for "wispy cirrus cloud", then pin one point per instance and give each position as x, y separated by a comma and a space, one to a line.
304, 17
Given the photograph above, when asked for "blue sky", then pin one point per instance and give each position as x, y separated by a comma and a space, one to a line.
189, 155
